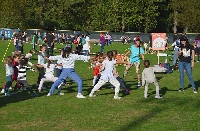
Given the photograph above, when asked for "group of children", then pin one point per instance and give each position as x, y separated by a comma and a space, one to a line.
102, 64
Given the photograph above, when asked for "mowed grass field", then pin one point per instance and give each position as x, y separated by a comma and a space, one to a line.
176, 111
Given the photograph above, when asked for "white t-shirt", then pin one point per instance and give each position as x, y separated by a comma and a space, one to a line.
49, 71
86, 45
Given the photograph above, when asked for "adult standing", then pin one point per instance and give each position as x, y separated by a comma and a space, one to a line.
2, 35
186, 62
102, 42
136, 50
50, 43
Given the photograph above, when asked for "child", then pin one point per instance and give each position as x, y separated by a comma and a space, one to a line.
122, 84
68, 61
49, 75
136, 50
107, 75
22, 68
15, 63
29, 55
148, 77
41, 61
9, 73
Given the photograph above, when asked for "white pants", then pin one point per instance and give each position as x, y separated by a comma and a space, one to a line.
147, 87
94, 80
101, 82
52, 79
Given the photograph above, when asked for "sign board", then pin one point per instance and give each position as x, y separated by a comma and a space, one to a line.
158, 41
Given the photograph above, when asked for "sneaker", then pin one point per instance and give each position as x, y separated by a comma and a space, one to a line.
117, 97
60, 93
158, 97
21, 89
43, 88
145, 96
91, 95
195, 90
10, 88
7, 94
48, 94
127, 91
3, 91
181, 89
39, 90
139, 84
80, 96
34, 94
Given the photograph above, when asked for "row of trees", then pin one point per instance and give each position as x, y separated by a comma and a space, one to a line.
111, 15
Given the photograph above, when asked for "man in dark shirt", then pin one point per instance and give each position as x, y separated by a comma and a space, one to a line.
50, 43
175, 37
2, 35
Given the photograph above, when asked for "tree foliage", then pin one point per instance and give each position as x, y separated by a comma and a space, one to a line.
110, 15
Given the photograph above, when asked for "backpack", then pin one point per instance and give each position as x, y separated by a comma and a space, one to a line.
167, 66
83, 41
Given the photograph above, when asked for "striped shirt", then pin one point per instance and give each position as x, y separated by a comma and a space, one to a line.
22, 72
69, 62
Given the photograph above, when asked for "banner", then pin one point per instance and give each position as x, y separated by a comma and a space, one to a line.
158, 41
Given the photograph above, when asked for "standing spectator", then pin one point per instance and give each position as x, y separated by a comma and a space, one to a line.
186, 62
50, 43
108, 39
175, 37
86, 44
123, 40
2, 35
197, 47
176, 46
102, 42
24, 36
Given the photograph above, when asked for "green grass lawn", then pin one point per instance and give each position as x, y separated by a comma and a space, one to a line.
175, 112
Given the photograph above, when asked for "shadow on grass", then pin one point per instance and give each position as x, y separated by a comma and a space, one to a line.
19, 96
152, 113
163, 91
197, 84
139, 121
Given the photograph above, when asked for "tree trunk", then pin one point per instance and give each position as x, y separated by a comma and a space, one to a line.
186, 30
123, 25
175, 21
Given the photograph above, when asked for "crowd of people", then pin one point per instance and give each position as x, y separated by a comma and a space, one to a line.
103, 65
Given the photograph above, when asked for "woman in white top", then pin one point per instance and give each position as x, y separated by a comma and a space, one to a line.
68, 61
107, 75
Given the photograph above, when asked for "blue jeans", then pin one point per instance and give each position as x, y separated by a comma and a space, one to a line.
188, 68
67, 73
8, 82
86, 52
175, 56
102, 47
58, 72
